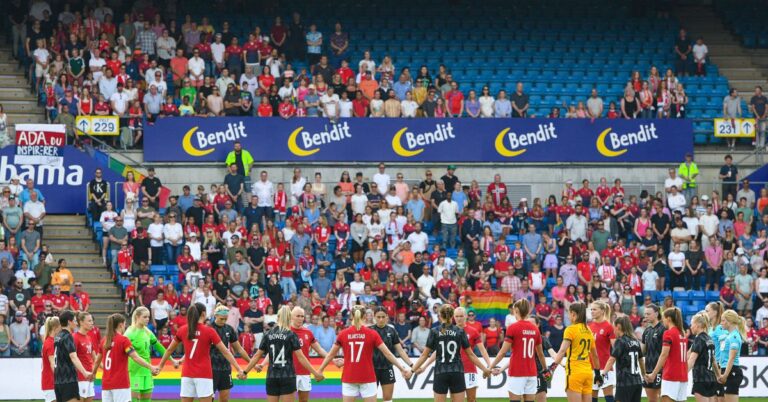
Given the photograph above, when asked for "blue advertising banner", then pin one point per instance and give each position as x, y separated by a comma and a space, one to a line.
424, 140
64, 187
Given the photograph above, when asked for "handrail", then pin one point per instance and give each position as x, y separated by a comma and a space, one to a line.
112, 149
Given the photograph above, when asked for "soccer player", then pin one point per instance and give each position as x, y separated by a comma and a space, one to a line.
447, 341
143, 341
67, 365
307, 341
672, 363
582, 367
281, 344
651, 344
701, 359
87, 352
52, 327
524, 340
116, 349
222, 371
604, 339
197, 373
544, 377
627, 355
385, 374
358, 378
714, 312
730, 371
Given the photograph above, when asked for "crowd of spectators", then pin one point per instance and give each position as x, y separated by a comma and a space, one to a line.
139, 65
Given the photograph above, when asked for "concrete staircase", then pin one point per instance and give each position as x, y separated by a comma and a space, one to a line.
68, 237
19, 103
743, 68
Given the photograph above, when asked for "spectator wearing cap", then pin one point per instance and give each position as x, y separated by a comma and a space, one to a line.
20, 336
13, 220
150, 188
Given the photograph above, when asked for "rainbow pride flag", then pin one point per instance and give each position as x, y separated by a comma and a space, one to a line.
488, 305
167, 383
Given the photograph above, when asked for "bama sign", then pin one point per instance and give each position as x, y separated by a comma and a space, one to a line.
64, 187
275, 139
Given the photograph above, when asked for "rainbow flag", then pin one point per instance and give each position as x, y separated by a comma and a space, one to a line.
122, 169
167, 383
488, 305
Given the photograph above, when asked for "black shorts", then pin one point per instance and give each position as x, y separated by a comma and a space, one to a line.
541, 384
66, 392
654, 385
385, 376
281, 386
445, 382
629, 393
705, 389
222, 380
733, 382
719, 390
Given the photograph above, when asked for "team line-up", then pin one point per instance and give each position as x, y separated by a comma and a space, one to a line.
597, 356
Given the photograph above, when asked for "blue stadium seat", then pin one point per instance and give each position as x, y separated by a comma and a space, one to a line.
158, 270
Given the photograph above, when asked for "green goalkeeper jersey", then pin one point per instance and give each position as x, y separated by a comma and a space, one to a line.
143, 340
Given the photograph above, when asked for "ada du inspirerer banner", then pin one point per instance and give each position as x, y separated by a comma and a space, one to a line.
429, 140
40, 144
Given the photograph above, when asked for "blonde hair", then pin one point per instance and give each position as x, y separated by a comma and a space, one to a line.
136, 314
220, 307
284, 318
82, 316
735, 319
51, 325
702, 320
358, 314
604, 307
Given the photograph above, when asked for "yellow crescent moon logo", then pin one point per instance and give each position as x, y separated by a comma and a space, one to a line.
294, 147
603, 149
398, 148
186, 143
502, 149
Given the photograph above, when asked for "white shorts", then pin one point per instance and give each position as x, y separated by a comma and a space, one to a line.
116, 395
522, 385
609, 380
49, 395
470, 380
196, 387
364, 390
303, 383
86, 389
675, 390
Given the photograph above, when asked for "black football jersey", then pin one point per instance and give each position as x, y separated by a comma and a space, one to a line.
448, 343
703, 368
627, 352
64, 371
545, 345
390, 338
652, 341
228, 336
280, 345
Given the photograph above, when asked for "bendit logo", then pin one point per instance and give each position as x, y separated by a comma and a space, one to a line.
199, 143
415, 142
611, 144
304, 143
510, 144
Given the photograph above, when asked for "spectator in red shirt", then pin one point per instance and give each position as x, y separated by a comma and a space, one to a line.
264, 109
360, 105
491, 336
79, 300
286, 109
445, 286
585, 269
345, 72
497, 190
38, 300
455, 99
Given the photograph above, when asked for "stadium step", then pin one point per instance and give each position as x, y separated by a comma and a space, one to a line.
15, 96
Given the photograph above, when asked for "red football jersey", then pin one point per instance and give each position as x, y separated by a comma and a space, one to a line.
84, 349
47, 375
114, 362
676, 367
474, 340
197, 351
604, 334
306, 339
358, 346
524, 336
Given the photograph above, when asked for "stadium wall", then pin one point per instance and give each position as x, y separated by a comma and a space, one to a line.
20, 380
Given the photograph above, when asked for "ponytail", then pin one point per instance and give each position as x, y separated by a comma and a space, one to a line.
523, 308
358, 313
51, 325
193, 316
113, 321
284, 318
82, 316
604, 307
625, 326
676, 316
580, 309
717, 307
446, 317
734, 319
702, 320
